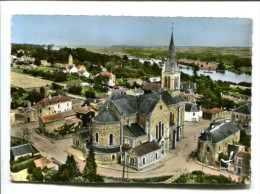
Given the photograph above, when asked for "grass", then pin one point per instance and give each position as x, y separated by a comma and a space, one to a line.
98, 94
16, 70
41, 68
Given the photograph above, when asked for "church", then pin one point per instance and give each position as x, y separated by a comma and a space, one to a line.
138, 131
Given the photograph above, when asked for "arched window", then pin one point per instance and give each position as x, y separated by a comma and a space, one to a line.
171, 119
165, 82
111, 139
159, 130
96, 138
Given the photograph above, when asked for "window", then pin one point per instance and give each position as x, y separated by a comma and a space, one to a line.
143, 161
113, 156
111, 138
80, 116
67, 104
156, 155
239, 161
159, 130
225, 144
58, 106
160, 107
218, 148
132, 161
237, 116
194, 114
49, 108
208, 149
96, 138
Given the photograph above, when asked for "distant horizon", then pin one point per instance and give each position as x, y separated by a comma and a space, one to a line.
106, 31
141, 46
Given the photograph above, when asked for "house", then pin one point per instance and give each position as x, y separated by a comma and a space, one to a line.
135, 92
143, 155
214, 113
85, 114
188, 88
242, 114
193, 112
44, 163
111, 76
151, 87
154, 79
51, 124
53, 105
80, 139
242, 164
215, 139
137, 81
21, 151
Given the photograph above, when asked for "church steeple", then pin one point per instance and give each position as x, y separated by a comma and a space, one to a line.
171, 65
171, 72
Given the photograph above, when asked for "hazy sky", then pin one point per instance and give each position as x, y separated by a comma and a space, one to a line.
137, 31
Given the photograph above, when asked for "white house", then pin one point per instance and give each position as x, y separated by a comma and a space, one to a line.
74, 70
86, 74
154, 79
193, 113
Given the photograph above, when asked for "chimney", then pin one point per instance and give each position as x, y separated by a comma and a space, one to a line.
49, 97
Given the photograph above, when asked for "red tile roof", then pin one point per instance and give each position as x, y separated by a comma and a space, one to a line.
53, 100
43, 162
246, 155
73, 120
51, 118
82, 110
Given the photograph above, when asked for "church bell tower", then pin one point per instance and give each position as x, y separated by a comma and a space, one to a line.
171, 73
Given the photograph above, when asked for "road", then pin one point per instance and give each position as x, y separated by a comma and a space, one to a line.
178, 160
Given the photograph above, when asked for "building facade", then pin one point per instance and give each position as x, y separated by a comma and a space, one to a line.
193, 112
214, 141
242, 114
154, 121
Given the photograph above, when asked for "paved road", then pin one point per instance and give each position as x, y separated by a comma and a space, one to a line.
178, 160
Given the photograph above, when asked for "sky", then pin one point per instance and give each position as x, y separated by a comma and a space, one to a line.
129, 30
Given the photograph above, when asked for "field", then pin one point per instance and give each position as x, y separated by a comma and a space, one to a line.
26, 81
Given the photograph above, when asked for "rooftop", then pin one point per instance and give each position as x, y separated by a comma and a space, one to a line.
53, 100
219, 132
22, 150
135, 129
106, 116
245, 109
146, 148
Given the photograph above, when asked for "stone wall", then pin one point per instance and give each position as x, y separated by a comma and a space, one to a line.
104, 131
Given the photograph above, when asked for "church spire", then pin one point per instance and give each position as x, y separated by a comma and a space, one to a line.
171, 65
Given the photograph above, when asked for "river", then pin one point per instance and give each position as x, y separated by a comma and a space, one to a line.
227, 76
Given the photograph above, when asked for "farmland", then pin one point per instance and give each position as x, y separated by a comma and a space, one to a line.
26, 81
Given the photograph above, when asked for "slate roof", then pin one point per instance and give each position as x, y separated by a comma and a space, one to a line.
146, 148
135, 129
245, 109
104, 150
143, 104
22, 150
106, 116
83, 134
127, 106
190, 107
220, 132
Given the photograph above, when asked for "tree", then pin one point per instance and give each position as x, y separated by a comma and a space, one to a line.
67, 171
75, 89
90, 169
37, 174
37, 62
125, 58
90, 94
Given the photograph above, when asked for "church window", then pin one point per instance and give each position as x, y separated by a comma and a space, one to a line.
111, 139
207, 148
171, 119
160, 107
157, 131
169, 84
165, 82
162, 129
97, 138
